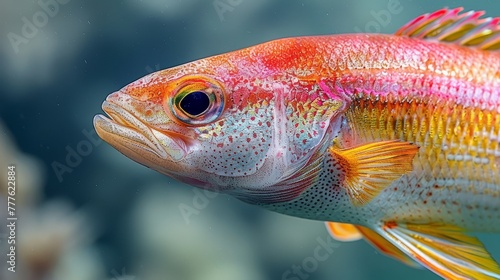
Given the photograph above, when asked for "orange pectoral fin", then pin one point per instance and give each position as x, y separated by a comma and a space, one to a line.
371, 167
343, 232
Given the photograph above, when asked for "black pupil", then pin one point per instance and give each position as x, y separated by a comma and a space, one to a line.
195, 103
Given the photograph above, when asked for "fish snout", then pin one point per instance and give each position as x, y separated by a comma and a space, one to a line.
126, 129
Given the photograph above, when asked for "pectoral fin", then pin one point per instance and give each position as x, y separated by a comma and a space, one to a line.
444, 249
371, 167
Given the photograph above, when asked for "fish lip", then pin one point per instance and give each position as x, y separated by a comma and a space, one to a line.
123, 129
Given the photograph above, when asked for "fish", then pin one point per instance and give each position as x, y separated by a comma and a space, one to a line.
394, 138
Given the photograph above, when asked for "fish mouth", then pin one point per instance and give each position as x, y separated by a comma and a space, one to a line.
133, 137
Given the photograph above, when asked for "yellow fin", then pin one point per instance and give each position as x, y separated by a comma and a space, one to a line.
371, 167
349, 232
444, 249
343, 232
386, 247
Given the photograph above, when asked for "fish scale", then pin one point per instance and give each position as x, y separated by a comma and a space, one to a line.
435, 172
448, 131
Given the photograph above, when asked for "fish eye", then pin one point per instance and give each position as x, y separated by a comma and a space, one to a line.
196, 101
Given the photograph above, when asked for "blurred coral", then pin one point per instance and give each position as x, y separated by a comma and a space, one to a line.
30, 172
52, 239
170, 247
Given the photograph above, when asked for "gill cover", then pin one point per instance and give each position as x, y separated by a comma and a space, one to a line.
297, 135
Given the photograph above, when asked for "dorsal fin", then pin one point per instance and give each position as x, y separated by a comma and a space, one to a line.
448, 25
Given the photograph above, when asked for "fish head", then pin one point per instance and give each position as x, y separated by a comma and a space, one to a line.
225, 123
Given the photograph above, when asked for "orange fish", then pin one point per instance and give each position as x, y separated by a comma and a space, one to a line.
394, 138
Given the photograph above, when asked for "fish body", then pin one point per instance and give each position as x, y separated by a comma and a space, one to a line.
433, 103
395, 138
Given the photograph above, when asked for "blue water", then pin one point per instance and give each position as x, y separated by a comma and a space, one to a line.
87, 212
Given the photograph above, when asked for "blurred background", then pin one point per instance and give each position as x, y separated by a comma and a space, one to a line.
87, 212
